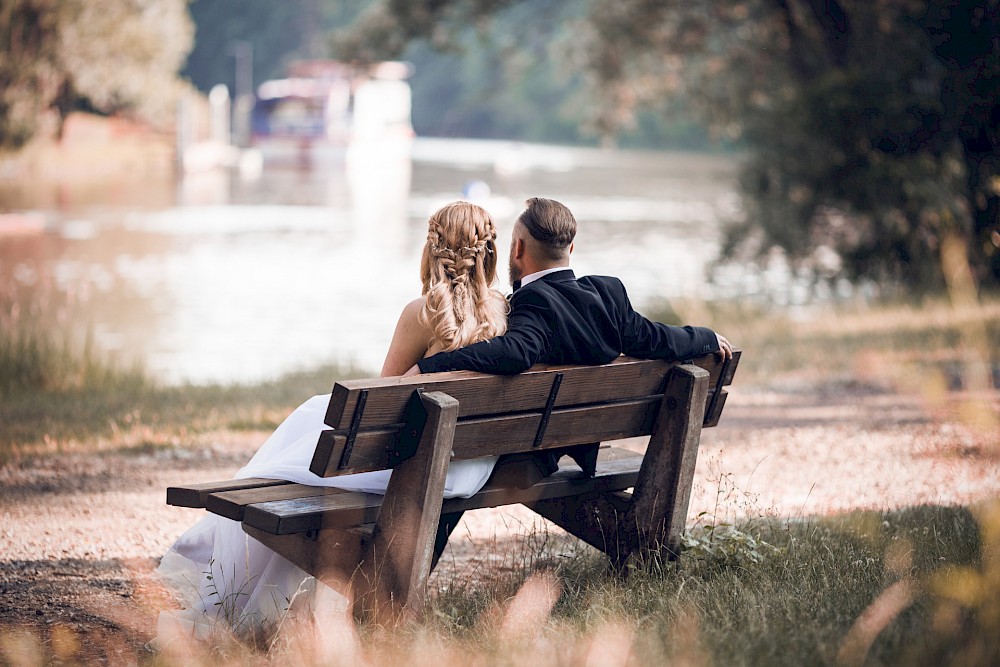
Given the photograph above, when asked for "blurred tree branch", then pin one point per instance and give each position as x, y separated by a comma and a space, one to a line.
110, 56
873, 128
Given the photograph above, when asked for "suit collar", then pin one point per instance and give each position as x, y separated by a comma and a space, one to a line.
557, 275
560, 276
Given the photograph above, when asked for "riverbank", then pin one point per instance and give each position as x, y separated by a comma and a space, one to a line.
60, 395
82, 531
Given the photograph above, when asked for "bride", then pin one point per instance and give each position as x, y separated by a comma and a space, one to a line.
224, 575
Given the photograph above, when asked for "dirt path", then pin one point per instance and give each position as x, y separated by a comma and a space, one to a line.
81, 535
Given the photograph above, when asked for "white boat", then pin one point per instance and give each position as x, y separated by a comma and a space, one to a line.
325, 106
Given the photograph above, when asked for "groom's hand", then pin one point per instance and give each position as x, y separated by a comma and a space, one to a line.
414, 370
725, 349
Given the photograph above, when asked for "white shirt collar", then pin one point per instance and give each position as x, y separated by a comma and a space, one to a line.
532, 277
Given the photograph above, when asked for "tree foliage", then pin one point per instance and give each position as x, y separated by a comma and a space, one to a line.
872, 125
512, 77
111, 56
278, 32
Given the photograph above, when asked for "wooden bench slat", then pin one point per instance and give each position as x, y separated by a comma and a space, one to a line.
231, 504
498, 435
616, 471
285, 517
195, 495
480, 394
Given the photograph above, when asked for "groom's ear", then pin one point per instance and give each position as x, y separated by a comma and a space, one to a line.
519, 248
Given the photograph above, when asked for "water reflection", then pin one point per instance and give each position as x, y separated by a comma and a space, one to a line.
219, 278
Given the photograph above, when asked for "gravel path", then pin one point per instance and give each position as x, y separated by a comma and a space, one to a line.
81, 534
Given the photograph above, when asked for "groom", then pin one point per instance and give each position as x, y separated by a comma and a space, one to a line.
557, 318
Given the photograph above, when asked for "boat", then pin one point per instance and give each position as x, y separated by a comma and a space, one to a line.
323, 107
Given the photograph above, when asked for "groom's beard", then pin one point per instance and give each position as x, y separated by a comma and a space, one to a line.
514, 271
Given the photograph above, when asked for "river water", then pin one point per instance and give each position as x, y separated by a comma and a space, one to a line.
219, 277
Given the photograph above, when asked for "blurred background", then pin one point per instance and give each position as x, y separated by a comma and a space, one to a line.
227, 191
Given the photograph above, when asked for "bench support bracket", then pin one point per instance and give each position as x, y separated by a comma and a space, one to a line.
543, 423
330, 555
653, 516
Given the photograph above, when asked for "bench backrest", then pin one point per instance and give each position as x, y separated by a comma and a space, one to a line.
375, 423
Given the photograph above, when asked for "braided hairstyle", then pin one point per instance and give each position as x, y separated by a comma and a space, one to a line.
458, 268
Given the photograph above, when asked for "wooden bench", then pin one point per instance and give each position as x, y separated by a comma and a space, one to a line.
381, 550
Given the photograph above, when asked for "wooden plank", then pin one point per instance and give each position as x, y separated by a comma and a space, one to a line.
285, 517
594, 518
231, 504
717, 406
332, 556
731, 371
502, 434
480, 394
397, 561
617, 469
663, 491
195, 495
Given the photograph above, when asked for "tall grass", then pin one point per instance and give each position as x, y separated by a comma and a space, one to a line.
795, 606
919, 586
58, 392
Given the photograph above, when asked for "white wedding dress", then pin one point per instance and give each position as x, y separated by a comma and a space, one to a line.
222, 574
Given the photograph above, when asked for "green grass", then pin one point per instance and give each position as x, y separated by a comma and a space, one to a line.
794, 606
822, 594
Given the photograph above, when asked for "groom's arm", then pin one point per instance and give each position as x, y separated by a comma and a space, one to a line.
645, 339
526, 341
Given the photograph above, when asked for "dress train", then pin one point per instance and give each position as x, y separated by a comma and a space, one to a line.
221, 574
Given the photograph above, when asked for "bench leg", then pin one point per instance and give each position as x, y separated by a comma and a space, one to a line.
662, 493
397, 563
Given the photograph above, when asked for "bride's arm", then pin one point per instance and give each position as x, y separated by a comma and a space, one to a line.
409, 342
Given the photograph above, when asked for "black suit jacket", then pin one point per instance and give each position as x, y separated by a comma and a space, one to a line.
559, 319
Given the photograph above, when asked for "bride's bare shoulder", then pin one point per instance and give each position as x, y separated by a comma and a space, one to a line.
411, 311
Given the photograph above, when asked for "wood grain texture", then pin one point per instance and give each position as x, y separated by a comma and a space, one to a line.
231, 504
617, 469
507, 434
480, 394
663, 490
195, 495
594, 518
397, 562
332, 556
515, 402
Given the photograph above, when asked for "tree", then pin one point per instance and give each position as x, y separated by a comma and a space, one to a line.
110, 56
277, 31
871, 125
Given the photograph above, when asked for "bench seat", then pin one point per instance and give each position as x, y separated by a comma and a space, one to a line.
283, 508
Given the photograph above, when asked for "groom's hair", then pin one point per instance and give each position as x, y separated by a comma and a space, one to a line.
551, 224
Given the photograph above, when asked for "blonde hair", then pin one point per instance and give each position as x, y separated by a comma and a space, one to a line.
458, 268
